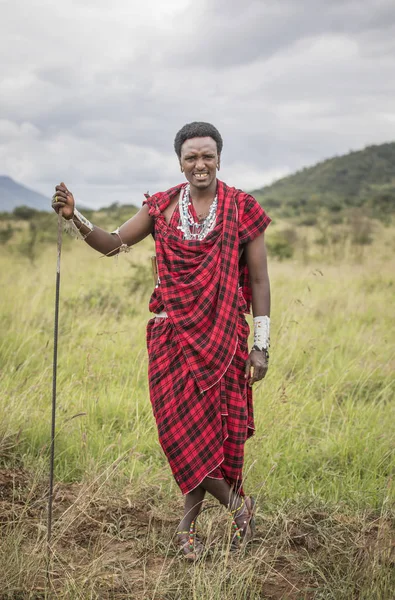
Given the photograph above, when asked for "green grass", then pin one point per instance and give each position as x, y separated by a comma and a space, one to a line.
321, 462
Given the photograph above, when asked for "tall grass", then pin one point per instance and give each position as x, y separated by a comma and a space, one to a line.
321, 462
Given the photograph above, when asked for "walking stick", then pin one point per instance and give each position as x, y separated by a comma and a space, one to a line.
54, 373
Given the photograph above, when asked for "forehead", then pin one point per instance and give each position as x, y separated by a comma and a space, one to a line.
199, 144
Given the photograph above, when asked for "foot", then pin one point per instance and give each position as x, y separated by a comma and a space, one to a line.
244, 524
190, 544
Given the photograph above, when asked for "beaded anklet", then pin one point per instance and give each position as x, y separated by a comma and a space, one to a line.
236, 528
191, 533
239, 532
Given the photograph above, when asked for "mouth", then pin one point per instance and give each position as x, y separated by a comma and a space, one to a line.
201, 176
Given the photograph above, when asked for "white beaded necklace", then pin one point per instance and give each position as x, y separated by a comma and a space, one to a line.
191, 229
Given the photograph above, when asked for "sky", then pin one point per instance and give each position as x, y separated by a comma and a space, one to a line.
93, 92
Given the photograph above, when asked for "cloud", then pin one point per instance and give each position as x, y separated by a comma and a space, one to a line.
237, 32
93, 93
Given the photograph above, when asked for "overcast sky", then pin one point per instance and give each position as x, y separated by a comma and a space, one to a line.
92, 92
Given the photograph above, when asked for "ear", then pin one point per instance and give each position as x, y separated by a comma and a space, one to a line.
181, 167
219, 162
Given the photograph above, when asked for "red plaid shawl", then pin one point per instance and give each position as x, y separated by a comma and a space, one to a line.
199, 283
205, 335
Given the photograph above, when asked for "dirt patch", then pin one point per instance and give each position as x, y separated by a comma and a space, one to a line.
13, 483
118, 546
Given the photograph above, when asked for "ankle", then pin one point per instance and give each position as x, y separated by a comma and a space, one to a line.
237, 508
186, 528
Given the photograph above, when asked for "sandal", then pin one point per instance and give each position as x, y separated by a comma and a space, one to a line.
244, 534
190, 544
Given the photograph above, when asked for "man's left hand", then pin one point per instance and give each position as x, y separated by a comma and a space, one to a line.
256, 368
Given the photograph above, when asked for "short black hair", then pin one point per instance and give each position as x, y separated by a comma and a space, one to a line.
197, 129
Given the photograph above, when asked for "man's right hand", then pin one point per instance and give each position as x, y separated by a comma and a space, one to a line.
63, 199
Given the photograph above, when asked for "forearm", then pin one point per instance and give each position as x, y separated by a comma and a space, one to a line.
104, 242
260, 297
260, 287
261, 312
109, 244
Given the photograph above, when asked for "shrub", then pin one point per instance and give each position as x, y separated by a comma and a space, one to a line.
6, 234
24, 213
308, 220
281, 244
360, 228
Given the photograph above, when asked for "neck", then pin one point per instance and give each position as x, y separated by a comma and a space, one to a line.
208, 193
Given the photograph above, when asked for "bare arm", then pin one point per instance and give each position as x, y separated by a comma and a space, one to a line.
256, 257
130, 233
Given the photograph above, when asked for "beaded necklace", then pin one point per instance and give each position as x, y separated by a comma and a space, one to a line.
191, 229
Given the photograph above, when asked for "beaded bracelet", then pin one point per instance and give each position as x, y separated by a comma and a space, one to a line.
123, 247
70, 227
261, 333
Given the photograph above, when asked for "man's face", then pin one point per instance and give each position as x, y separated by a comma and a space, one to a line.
199, 160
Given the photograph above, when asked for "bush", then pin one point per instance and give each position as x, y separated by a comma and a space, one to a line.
360, 227
282, 244
6, 234
24, 213
28, 246
142, 279
308, 221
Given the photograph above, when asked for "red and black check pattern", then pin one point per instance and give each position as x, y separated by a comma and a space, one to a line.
201, 403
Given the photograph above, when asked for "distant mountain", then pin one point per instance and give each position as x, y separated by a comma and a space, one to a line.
13, 194
365, 178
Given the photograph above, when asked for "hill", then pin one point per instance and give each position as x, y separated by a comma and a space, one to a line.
13, 194
365, 178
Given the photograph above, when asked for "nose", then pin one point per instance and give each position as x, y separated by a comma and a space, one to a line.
200, 164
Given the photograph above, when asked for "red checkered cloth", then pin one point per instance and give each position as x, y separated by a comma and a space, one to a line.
202, 405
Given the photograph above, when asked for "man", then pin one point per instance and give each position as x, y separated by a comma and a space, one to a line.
211, 263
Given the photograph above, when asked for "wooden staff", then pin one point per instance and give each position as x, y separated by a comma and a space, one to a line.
54, 374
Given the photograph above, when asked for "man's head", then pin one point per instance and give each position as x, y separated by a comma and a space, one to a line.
194, 130
198, 146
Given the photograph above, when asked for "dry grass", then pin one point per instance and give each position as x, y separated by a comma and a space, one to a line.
321, 463
117, 543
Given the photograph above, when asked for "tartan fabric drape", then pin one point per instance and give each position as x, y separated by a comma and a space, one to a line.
200, 434
199, 288
200, 400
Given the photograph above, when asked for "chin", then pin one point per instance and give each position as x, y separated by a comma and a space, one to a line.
202, 184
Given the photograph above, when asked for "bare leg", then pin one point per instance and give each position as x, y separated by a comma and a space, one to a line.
218, 488
222, 491
192, 506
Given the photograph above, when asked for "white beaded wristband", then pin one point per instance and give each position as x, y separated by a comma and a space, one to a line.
262, 333
71, 228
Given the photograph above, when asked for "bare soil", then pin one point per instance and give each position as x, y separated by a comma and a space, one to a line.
109, 544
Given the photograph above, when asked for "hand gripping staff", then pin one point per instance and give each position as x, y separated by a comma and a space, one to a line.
54, 373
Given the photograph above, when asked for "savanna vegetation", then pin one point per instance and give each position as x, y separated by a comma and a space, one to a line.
321, 464
361, 182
